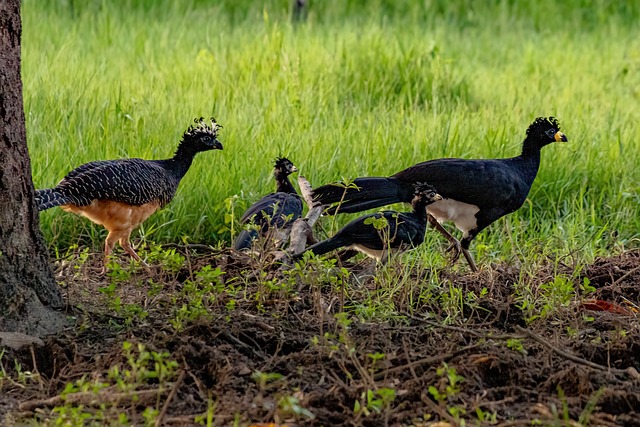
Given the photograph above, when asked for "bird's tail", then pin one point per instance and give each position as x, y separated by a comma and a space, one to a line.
362, 194
327, 245
245, 239
49, 198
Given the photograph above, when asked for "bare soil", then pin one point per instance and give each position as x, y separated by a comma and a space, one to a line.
578, 366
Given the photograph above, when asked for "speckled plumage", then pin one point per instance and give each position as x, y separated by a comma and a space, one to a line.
108, 192
131, 181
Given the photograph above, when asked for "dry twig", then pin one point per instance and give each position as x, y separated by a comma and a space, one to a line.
172, 393
91, 398
629, 371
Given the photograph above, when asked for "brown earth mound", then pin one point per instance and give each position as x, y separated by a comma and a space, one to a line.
284, 356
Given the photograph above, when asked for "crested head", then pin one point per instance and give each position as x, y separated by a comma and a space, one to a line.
284, 166
201, 136
544, 131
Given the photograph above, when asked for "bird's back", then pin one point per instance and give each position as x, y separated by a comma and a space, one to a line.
400, 228
274, 210
131, 181
483, 183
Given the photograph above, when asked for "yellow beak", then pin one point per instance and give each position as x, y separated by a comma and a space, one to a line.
560, 137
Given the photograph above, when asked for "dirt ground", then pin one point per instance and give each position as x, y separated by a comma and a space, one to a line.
486, 366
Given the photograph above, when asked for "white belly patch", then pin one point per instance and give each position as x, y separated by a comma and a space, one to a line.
373, 253
463, 215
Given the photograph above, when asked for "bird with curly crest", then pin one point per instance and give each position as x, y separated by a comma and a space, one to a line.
121, 194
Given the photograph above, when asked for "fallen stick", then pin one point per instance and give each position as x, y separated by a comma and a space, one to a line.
91, 398
174, 389
431, 360
629, 371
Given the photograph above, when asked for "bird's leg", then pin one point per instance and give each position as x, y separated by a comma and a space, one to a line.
465, 250
368, 272
454, 243
384, 259
126, 245
109, 243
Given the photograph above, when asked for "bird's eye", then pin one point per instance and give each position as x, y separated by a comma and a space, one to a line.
551, 133
206, 138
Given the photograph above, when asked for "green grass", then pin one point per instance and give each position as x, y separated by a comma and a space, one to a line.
363, 88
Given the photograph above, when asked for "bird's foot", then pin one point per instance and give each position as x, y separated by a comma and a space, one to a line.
456, 249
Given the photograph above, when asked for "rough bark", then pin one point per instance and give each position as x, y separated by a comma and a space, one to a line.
28, 290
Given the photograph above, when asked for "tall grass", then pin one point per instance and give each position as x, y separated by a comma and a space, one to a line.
361, 88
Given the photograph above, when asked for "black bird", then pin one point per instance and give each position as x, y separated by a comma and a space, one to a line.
273, 213
475, 192
122, 194
396, 232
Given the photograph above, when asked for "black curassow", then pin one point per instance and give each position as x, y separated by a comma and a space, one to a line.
273, 213
121, 194
399, 231
475, 192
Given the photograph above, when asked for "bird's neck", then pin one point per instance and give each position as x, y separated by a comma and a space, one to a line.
183, 159
420, 211
283, 185
530, 149
529, 160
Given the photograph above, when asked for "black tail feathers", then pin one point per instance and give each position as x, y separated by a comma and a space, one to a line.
49, 198
327, 245
362, 194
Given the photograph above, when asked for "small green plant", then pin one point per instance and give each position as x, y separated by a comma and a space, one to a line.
170, 260
374, 401
486, 417
447, 390
141, 368
554, 295
208, 417
549, 298
116, 272
20, 379
290, 406
375, 359
129, 312
450, 388
264, 378
586, 287
515, 344
452, 302
197, 296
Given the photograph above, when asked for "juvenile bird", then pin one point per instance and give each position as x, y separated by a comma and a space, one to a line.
382, 233
475, 192
121, 194
273, 214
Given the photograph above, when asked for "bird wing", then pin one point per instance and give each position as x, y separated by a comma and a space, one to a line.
484, 183
131, 181
279, 208
361, 231
86, 167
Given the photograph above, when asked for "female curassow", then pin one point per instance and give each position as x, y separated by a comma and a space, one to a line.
398, 231
122, 194
275, 212
475, 192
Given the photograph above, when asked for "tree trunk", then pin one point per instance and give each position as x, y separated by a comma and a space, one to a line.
28, 290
